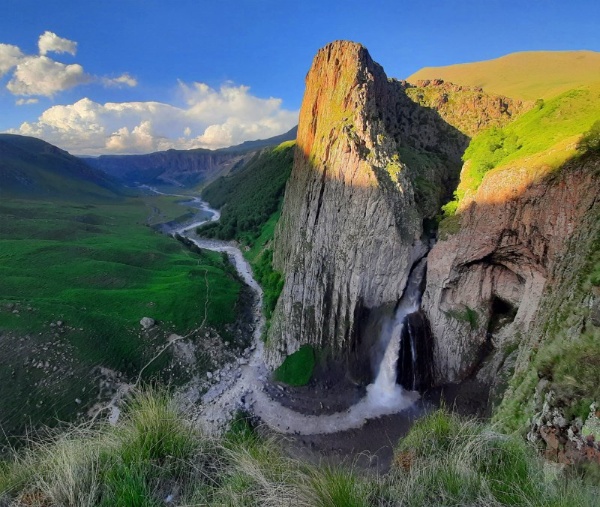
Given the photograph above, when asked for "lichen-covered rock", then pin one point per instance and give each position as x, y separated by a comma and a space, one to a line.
469, 109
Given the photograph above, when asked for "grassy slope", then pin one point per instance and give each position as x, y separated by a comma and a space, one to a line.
528, 75
153, 453
30, 167
97, 268
538, 142
250, 196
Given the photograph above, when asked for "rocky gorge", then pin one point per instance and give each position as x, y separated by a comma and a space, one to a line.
375, 160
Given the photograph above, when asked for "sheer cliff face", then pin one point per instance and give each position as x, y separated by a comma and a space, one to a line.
520, 244
351, 226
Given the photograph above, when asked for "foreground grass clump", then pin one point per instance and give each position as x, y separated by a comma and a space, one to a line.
153, 457
445, 460
136, 463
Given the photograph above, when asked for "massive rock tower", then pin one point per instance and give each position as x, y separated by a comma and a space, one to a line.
370, 166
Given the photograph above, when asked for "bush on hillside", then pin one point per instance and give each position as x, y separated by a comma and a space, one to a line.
591, 139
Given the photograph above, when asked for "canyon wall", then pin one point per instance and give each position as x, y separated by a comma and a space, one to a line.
513, 276
518, 239
375, 159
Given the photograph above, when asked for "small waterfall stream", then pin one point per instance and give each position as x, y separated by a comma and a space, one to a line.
385, 390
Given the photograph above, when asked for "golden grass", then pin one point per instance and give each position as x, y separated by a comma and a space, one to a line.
527, 75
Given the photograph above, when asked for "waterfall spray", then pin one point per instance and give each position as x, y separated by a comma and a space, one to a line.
384, 390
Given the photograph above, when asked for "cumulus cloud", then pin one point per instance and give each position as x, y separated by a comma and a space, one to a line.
121, 81
50, 42
211, 118
40, 75
44, 76
9, 57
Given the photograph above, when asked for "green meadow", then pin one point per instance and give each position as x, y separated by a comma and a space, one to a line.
538, 142
75, 280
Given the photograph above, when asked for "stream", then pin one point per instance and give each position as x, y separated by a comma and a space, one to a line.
244, 384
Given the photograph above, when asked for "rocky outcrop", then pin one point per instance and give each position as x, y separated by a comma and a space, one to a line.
370, 166
469, 109
494, 285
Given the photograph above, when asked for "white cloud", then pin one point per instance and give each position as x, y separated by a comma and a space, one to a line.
40, 75
121, 81
24, 102
50, 42
9, 57
210, 119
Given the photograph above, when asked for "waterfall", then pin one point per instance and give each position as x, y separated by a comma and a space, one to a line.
385, 390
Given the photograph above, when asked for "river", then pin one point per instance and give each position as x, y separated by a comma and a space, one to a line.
243, 386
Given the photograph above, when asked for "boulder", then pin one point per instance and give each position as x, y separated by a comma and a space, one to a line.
147, 322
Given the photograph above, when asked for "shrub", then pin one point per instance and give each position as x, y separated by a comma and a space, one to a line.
297, 368
591, 139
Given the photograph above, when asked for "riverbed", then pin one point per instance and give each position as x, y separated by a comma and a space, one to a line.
244, 385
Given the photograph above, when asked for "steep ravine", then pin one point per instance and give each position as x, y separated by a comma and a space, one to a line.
371, 169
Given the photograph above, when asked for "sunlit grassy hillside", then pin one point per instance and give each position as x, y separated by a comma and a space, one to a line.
535, 144
75, 280
527, 75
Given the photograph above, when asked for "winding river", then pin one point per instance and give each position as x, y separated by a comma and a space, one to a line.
245, 383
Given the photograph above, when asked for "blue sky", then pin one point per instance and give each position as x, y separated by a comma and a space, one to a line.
128, 76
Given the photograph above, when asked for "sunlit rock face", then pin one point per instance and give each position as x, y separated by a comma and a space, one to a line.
352, 220
495, 284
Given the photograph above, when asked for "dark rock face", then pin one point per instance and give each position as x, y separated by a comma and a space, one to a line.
505, 261
415, 360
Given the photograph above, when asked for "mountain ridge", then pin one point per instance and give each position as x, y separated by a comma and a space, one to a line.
34, 168
183, 167
526, 75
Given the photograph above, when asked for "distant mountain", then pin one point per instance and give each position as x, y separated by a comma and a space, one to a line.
290, 135
32, 168
528, 75
183, 167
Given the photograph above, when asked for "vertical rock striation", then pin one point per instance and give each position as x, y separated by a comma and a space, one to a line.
370, 166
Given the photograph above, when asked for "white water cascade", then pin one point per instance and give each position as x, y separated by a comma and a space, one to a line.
385, 391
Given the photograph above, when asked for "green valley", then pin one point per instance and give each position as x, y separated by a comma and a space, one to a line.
80, 266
